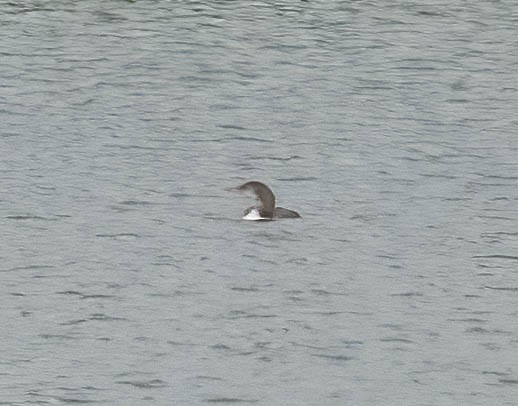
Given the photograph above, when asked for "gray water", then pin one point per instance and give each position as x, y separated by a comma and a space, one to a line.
127, 276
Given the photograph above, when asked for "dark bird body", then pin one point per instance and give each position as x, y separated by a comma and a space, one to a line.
266, 209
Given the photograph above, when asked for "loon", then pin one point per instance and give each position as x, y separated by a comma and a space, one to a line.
266, 209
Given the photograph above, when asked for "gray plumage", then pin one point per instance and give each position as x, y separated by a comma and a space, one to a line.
266, 200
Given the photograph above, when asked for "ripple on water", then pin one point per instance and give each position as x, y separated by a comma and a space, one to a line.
145, 384
230, 400
122, 123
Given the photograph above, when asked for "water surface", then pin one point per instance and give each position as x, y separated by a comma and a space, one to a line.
127, 276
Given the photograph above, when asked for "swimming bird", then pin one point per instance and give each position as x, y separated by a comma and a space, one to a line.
266, 209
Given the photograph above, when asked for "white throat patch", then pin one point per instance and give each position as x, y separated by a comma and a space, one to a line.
254, 215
